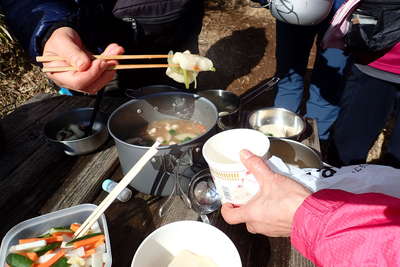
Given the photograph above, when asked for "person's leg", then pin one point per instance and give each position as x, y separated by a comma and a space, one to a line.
393, 150
293, 45
325, 89
365, 106
326, 82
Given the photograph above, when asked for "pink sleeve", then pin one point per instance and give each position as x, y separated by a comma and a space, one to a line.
337, 228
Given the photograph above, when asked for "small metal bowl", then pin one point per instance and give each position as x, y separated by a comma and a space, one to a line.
79, 116
291, 125
295, 153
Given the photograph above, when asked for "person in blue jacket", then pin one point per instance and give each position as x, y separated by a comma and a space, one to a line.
76, 29
293, 46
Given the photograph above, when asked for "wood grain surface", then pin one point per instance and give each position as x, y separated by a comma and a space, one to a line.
38, 177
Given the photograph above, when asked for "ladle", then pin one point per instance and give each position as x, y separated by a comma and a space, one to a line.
99, 97
203, 194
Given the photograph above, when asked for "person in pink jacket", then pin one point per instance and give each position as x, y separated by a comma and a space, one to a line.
329, 227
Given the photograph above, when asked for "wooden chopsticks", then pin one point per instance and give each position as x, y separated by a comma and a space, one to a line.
94, 216
117, 57
116, 67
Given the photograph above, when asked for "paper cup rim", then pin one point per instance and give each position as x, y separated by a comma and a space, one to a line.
233, 167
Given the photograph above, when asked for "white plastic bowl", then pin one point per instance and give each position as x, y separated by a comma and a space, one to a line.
39, 225
160, 247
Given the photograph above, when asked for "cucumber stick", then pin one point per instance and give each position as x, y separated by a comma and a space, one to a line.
62, 262
51, 246
60, 230
16, 260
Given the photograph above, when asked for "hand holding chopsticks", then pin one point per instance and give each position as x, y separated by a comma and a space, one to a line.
84, 228
65, 43
115, 57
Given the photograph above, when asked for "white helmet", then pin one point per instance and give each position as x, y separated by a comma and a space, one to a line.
300, 12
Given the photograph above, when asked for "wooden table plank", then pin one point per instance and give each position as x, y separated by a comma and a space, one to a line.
138, 218
25, 126
254, 250
50, 180
37, 168
83, 182
27, 188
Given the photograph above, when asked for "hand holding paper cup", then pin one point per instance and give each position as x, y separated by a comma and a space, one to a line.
222, 152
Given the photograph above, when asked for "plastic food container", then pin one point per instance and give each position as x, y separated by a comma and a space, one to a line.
38, 225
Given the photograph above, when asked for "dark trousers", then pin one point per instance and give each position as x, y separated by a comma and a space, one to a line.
293, 47
366, 105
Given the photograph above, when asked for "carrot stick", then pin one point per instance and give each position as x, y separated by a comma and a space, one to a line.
63, 233
94, 245
88, 241
50, 239
28, 240
89, 252
98, 243
53, 239
53, 259
74, 226
49, 252
32, 256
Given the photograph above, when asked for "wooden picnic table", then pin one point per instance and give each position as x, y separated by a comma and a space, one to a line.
37, 177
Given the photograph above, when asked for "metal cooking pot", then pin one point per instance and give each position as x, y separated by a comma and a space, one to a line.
149, 90
295, 153
229, 104
127, 120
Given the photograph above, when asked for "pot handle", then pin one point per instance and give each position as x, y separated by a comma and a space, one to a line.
246, 98
133, 93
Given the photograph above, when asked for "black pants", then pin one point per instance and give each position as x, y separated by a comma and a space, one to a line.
366, 105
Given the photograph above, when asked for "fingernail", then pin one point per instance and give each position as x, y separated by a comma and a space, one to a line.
114, 51
245, 154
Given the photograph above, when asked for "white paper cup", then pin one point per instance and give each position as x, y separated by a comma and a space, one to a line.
233, 182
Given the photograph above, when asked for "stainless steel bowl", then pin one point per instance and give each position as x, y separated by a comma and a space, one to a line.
295, 153
280, 117
79, 116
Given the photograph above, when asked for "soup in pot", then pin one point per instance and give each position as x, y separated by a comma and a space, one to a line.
169, 132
